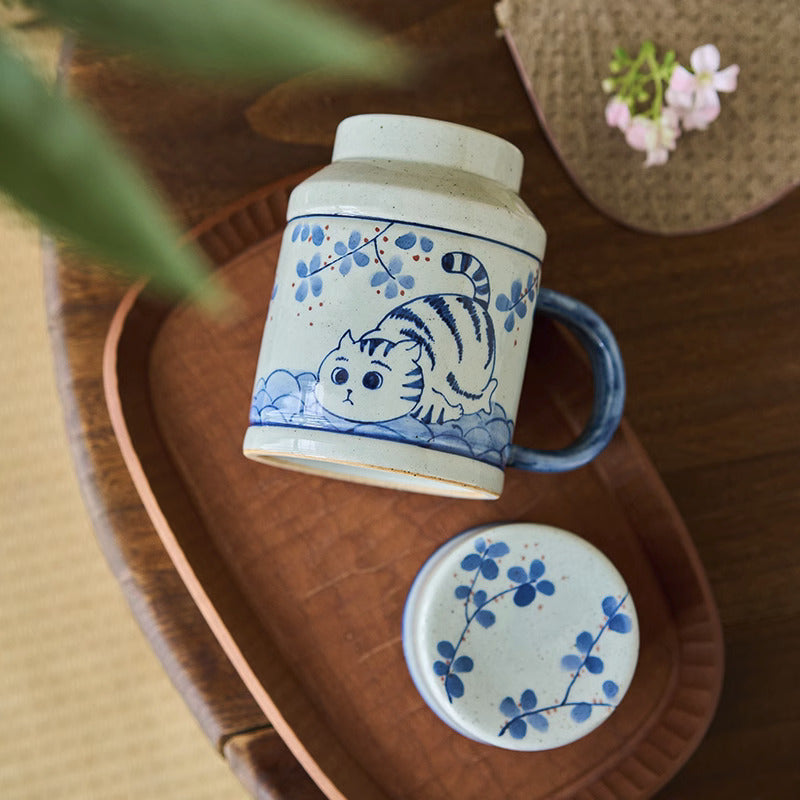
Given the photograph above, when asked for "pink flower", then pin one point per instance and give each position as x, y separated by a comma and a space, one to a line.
618, 115
655, 137
694, 96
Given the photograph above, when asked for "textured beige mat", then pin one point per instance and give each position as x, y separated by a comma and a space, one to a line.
747, 159
86, 711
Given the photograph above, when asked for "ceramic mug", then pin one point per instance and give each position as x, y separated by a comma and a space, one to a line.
397, 332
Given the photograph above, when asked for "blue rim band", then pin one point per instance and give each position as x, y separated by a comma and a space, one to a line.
608, 372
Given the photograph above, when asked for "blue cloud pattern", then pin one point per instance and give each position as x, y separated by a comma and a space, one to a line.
287, 399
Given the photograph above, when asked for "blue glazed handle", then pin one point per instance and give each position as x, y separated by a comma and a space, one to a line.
609, 387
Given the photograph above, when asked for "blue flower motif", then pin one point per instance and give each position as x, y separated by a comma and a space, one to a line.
484, 559
520, 715
517, 303
309, 278
347, 252
529, 583
352, 250
391, 273
523, 714
449, 668
617, 622
584, 642
482, 563
348, 258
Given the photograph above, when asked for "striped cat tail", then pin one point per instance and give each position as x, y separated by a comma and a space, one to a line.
465, 264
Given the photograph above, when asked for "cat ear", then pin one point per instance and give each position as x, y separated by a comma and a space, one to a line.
409, 346
347, 338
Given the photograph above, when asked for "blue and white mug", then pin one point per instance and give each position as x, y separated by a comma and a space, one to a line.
398, 328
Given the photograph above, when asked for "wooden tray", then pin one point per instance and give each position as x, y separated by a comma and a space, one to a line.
303, 580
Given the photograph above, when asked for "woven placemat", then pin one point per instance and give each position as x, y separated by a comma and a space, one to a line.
747, 159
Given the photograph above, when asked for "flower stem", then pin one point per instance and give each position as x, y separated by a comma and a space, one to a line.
591, 647
630, 79
633, 88
655, 72
550, 708
469, 618
361, 246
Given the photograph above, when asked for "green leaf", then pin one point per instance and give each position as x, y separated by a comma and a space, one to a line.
57, 161
253, 39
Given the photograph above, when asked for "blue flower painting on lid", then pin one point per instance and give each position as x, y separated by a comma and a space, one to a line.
481, 604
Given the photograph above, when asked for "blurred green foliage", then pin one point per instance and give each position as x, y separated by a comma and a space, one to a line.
58, 161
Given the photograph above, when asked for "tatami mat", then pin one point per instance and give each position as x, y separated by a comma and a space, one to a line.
86, 710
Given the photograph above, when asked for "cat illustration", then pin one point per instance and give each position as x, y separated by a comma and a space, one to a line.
432, 357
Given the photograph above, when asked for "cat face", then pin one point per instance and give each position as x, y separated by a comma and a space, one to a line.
369, 380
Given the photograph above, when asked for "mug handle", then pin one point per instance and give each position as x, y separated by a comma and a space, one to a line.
608, 373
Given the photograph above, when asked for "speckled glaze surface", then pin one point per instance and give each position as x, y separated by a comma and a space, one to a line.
521, 636
398, 327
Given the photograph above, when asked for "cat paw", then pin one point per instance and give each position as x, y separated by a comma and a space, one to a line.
437, 414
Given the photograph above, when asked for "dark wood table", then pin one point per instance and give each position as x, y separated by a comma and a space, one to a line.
708, 326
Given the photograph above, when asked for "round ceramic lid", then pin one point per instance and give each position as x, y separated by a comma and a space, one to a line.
521, 636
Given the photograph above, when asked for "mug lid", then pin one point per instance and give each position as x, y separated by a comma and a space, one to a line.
429, 141
521, 636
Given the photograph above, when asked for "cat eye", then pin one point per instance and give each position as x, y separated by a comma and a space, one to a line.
372, 380
340, 376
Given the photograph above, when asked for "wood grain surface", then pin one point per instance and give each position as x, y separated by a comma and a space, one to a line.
303, 580
707, 325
